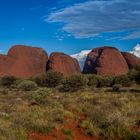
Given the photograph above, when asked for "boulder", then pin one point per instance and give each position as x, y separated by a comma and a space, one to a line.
23, 62
105, 61
63, 63
131, 59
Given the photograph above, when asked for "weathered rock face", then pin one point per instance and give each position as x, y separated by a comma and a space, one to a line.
131, 59
63, 63
23, 62
106, 61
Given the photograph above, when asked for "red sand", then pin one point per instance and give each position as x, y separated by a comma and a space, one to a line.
72, 125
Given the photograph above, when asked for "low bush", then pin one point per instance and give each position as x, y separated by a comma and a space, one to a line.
39, 96
20, 134
106, 81
51, 79
124, 80
92, 80
132, 74
74, 83
8, 81
27, 85
120, 132
138, 66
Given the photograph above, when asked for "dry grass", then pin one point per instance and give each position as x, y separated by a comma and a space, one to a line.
108, 114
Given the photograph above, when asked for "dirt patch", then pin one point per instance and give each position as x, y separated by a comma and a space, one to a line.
71, 126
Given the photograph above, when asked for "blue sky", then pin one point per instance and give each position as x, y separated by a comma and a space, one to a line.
70, 26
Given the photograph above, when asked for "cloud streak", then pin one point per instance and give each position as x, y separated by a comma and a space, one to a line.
88, 19
133, 35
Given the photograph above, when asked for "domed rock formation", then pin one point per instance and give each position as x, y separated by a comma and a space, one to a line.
5, 65
23, 62
63, 63
131, 59
105, 61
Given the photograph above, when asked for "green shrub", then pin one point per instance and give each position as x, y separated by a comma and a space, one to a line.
100, 81
39, 96
124, 80
51, 79
74, 83
138, 67
120, 132
92, 80
8, 81
132, 74
106, 81
21, 134
27, 85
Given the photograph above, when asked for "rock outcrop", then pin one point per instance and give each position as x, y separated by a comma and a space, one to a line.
63, 63
131, 59
23, 61
105, 61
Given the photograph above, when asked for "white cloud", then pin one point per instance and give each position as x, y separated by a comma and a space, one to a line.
136, 50
88, 19
81, 57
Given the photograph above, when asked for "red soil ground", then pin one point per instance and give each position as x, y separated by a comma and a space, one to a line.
71, 125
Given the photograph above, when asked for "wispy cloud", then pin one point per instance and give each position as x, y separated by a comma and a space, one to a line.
88, 19
81, 57
136, 50
133, 35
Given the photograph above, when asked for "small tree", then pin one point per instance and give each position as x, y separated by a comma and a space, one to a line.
50, 79
27, 85
40, 95
106, 81
8, 81
74, 83
124, 80
132, 74
93, 80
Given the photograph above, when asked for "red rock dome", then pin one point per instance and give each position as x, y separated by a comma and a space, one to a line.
105, 61
131, 59
63, 63
23, 61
